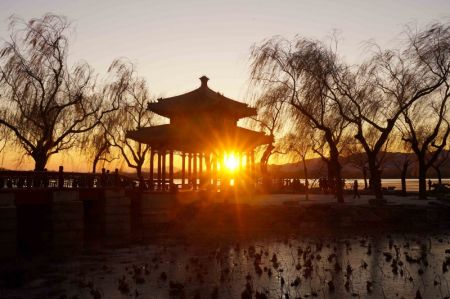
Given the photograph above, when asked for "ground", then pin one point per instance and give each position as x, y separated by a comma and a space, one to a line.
278, 199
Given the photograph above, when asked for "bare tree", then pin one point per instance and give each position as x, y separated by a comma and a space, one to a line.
426, 130
271, 109
300, 148
373, 96
301, 67
97, 147
402, 160
133, 114
356, 157
45, 103
441, 160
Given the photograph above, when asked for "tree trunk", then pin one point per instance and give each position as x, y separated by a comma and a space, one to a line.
263, 165
103, 148
439, 174
422, 178
364, 171
375, 176
94, 166
338, 181
40, 160
94, 163
403, 178
336, 168
140, 176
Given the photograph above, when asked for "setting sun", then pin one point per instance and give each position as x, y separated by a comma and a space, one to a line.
231, 163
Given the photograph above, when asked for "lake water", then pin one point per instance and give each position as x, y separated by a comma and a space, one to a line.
377, 266
411, 184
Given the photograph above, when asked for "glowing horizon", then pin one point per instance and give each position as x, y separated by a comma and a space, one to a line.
174, 43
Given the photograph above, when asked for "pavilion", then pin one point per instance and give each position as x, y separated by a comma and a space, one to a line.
203, 130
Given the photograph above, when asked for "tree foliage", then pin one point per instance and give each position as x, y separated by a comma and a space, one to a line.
46, 103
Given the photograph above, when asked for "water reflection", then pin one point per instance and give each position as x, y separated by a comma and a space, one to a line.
397, 266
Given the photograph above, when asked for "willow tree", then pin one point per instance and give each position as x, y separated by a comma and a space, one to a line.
401, 156
45, 103
97, 147
132, 115
426, 129
441, 161
272, 111
301, 67
356, 157
299, 146
374, 95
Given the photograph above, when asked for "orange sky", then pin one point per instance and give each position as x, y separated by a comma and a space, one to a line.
175, 42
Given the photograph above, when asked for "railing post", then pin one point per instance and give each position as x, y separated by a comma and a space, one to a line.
61, 177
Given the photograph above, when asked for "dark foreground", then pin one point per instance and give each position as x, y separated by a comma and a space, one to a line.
224, 250
344, 266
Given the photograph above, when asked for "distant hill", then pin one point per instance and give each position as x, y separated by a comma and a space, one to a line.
317, 168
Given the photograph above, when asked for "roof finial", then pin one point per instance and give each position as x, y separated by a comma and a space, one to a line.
204, 81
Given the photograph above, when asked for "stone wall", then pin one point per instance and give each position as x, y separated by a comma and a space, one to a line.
154, 211
67, 221
8, 226
157, 208
117, 226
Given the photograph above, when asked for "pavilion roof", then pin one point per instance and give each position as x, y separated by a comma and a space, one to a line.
202, 99
170, 137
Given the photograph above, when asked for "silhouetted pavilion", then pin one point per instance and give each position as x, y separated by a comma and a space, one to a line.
202, 129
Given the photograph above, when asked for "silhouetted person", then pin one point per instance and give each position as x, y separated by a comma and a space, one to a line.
355, 189
429, 185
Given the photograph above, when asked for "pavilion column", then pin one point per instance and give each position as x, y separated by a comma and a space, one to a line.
247, 166
170, 169
252, 168
217, 173
220, 170
194, 185
163, 170
190, 169
200, 168
214, 170
223, 172
159, 170
183, 168
151, 169
208, 167
238, 176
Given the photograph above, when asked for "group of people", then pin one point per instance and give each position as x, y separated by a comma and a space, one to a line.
294, 185
329, 186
